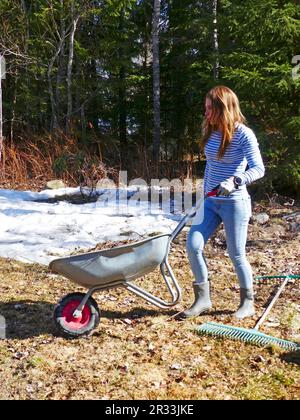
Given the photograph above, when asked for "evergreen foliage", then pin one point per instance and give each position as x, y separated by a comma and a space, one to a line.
97, 85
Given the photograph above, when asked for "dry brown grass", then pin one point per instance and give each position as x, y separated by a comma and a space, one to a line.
32, 161
141, 352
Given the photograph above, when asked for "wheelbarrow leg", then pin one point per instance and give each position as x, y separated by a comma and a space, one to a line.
78, 312
166, 272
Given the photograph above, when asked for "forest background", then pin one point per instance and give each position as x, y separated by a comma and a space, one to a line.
102, 86
94, 87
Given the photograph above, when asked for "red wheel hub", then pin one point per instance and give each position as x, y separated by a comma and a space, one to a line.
70, 320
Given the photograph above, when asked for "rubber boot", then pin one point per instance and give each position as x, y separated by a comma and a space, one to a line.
202, 301
246, 307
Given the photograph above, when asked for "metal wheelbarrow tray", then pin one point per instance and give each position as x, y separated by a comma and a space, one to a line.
78, 314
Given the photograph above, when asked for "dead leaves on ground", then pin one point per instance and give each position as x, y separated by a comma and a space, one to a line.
139, 351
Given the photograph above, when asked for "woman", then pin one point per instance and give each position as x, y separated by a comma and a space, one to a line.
233, 160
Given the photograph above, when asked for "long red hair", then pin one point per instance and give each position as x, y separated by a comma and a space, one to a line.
226, 113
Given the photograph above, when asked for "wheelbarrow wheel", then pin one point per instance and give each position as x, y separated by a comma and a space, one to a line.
69, 326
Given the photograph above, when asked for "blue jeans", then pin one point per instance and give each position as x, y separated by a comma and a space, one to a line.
235, 214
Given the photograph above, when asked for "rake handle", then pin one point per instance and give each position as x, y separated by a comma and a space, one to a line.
270, 306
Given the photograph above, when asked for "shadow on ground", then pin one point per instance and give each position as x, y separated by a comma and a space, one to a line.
26, 319
135, 313
291, 357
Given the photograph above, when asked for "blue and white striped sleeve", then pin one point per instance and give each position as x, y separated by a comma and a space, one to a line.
256, 168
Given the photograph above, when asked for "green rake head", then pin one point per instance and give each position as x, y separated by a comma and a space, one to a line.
251, 336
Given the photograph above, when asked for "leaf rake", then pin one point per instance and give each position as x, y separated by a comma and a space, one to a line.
252, 336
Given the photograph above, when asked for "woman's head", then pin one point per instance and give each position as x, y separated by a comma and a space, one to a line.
222, 112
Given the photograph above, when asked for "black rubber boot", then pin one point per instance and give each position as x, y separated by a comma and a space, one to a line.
202, 301
246, 307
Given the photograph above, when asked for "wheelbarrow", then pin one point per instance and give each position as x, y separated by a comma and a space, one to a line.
77, 314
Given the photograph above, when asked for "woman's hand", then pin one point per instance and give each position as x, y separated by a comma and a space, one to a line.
226, 187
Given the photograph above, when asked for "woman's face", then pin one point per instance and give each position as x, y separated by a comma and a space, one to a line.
208, 109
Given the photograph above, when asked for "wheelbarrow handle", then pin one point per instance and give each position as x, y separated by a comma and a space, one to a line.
191, 213
213, 192
194, 209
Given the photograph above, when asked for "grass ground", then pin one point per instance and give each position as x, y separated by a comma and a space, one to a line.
141, 352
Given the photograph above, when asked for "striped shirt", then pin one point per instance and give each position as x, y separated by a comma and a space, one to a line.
242, 158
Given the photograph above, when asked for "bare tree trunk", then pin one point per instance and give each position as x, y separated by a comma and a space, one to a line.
122, 96
83, 122
145, 121
1, 115
61, 62
2, 76
54, 120
25, 8
122, 110
27, 24
216, 40
70, 67
13, 112
156, 80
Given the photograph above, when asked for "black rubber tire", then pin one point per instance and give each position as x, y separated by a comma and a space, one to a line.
64, 328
